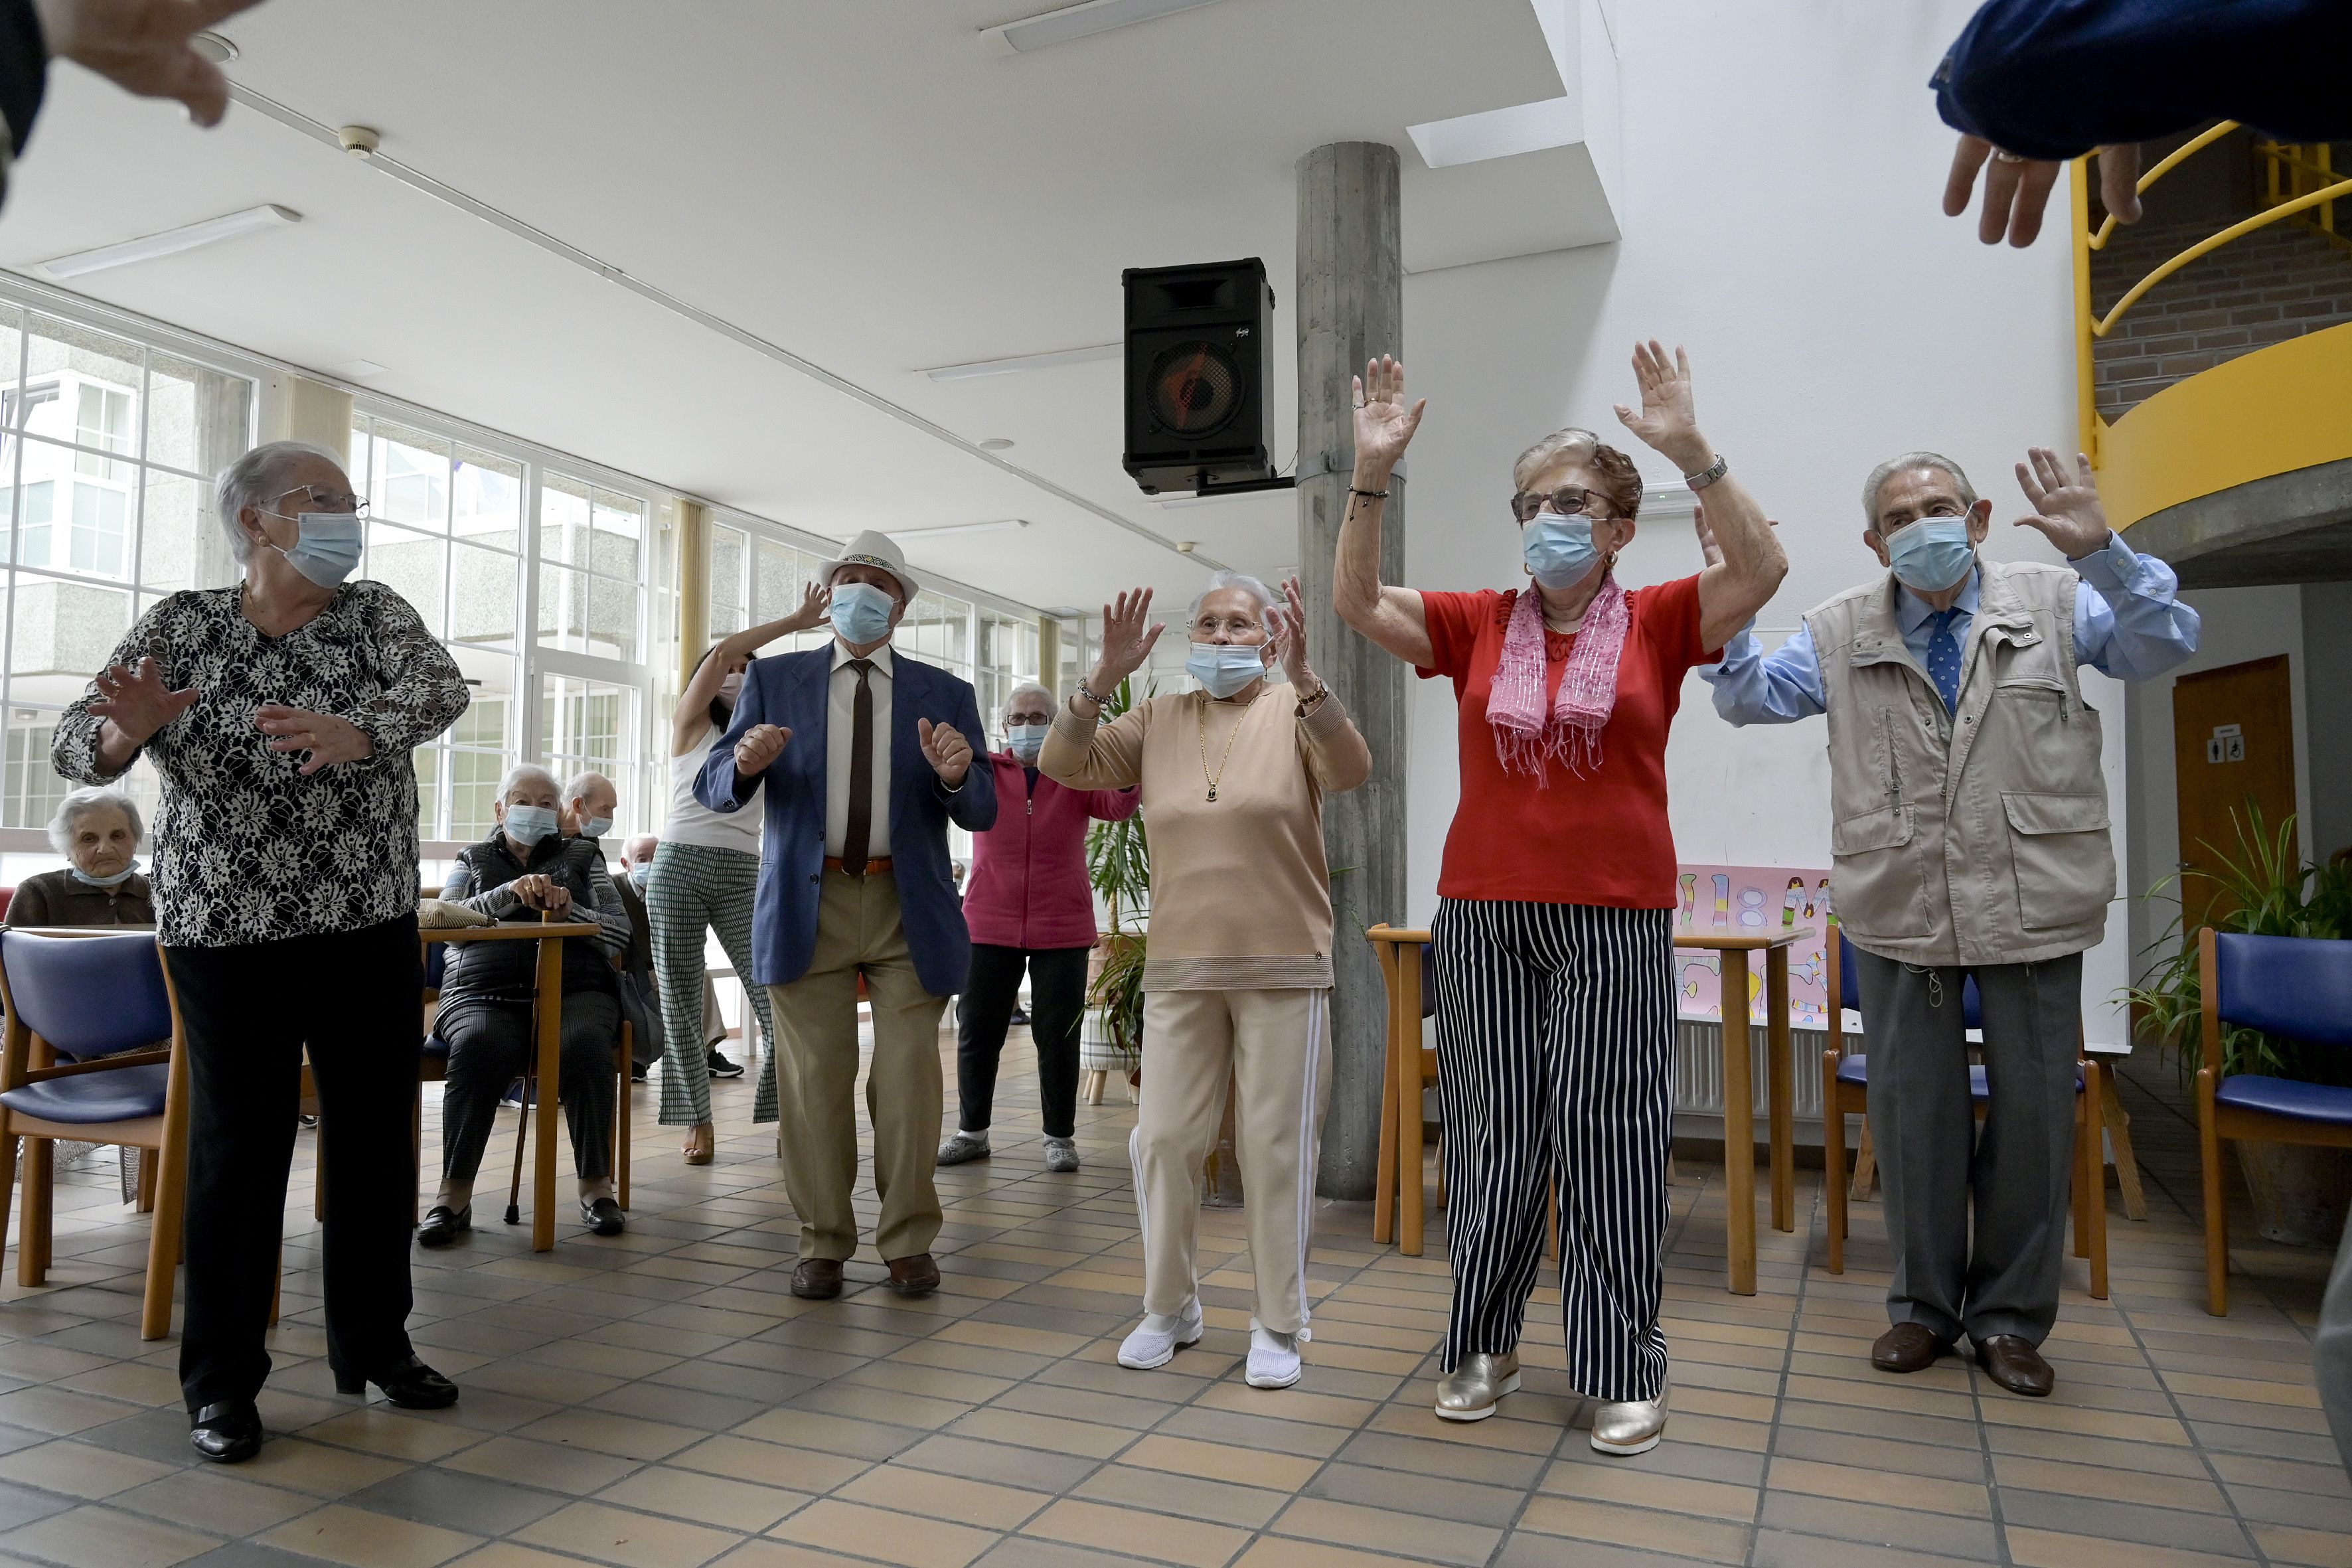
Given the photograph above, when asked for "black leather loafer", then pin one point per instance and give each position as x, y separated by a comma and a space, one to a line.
444, 1225
229, 1433
604, 1217
411, 1384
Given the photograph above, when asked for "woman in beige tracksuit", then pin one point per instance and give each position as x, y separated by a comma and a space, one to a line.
1237, 976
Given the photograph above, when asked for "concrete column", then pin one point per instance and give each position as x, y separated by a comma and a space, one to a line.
693, 587
296, 408
1351, 303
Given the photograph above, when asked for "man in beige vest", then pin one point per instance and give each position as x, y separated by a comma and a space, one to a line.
1970, 838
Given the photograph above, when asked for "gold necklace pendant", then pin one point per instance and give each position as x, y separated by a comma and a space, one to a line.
1218, 777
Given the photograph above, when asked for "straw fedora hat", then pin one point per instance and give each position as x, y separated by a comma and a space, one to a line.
872, 549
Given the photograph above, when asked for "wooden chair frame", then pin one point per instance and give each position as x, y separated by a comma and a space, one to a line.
2216, 1121
1840, 1100
29, 1059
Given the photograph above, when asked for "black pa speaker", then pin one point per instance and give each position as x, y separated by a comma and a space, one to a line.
1200, 347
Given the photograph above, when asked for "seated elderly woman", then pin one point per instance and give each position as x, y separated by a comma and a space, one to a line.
528, 866
99, 831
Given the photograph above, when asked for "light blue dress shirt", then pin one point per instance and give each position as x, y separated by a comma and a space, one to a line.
2128, 623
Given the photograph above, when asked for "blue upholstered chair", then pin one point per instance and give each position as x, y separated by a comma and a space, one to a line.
92, 1055
1845, 1091
2297, 987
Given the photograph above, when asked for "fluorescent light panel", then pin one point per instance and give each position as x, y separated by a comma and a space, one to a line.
1047, 29
1000, 525
1014, 364
171, 242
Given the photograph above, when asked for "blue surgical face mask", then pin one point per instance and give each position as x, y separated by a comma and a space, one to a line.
861, 613
1225, 668
114, 881
1932, 554
327, 549
1558, 549
530, 824
638, 875
596, 828
1026, 741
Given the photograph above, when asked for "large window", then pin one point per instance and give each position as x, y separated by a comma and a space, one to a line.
447, 530
107, 448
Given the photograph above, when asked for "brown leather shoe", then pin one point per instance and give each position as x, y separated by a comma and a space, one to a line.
915, 1276
2016, 1365
817, 1279
1906, 1347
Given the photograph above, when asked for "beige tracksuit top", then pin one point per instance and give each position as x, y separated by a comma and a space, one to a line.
1241, 896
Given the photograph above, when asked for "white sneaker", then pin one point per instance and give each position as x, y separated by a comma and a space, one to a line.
1273, 1357
1160, 1335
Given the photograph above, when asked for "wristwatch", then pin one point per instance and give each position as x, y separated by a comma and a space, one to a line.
1708, 475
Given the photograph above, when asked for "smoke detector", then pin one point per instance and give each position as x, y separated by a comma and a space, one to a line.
359, 141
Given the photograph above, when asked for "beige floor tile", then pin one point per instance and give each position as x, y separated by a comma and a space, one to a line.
550, 1465
95, 1537
711, 1500
1214, 1462
359, 1539
2045, 1549
630, 1539
886, 1536
622, 1436
508, 1554
1806, 1477
770, 1464
985, 1505
203, 1498
1191, 1542
79, 1469
316, 1469
1385, 1530
1710, 1541
1281, 1551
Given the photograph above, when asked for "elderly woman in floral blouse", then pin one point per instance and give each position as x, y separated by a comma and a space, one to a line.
280, 715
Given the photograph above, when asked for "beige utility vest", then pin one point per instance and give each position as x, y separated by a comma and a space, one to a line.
1977, 837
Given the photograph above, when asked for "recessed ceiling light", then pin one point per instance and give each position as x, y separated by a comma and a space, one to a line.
999, 525
1060, 26
996, 444
1014, 364
214, 48
171, 242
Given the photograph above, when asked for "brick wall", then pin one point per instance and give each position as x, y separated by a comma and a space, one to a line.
2274, 284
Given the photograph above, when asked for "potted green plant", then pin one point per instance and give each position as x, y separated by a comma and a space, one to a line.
1118, 864
2265, 888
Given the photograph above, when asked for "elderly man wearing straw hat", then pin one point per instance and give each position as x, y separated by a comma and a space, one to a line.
868, 756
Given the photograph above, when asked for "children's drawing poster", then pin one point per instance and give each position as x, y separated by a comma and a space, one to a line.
1752, 901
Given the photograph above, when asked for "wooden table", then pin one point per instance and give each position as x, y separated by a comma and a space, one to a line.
1739, 1088
551, 936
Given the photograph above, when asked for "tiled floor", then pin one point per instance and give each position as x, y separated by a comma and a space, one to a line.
660, 1401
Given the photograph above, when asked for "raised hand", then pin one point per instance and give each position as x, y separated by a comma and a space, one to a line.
141, 47
137, 700
1288, 628
328, 739
1127, 635
2067, 509
815, 601
761, 745
946, 750
1384, 422
1668, 421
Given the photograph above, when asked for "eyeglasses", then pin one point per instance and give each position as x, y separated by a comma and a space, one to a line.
1568, 501
319, 499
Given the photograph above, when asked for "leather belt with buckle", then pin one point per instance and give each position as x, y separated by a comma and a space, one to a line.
874, 864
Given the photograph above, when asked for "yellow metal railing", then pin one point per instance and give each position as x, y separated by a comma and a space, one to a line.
2297, 184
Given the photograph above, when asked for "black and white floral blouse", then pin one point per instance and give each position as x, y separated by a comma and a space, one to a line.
245, 848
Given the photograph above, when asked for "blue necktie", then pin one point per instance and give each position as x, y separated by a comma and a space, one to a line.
1944, 659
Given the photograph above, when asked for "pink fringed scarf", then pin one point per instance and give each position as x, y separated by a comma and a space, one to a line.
1525, 739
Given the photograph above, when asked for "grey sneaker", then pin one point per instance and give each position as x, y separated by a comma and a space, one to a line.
1061, 1155
964, 1146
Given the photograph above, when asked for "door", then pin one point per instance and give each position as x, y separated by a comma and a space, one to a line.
2233, 747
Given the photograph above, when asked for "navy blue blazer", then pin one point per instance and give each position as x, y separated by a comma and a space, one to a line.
791, 690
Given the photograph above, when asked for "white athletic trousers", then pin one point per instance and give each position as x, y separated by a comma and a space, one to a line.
1555, 1038
1275, 1047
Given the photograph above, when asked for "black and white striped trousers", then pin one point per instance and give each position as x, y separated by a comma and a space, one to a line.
1555, 1037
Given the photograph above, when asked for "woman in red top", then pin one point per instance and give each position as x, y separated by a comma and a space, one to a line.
1555, 990
1029, 906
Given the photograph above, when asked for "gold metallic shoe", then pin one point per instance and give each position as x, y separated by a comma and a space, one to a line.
1632, 1428
1470, 1392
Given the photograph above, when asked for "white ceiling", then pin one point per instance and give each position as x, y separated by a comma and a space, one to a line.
862, 184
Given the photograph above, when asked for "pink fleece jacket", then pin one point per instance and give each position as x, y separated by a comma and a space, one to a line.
1028, 886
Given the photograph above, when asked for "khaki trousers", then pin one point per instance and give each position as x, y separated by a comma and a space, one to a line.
1275, 1048
858, 931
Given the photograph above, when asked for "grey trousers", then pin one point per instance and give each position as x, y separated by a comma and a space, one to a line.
2331, 1356
2020, 1170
